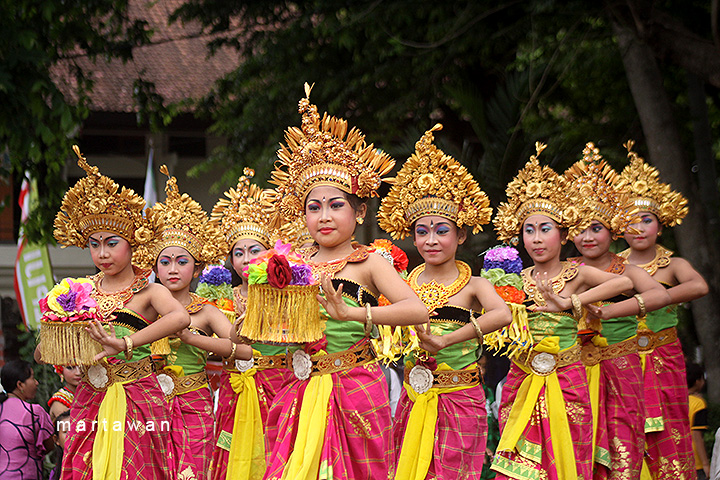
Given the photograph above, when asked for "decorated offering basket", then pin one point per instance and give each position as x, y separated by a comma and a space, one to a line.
282, 305
215, 285
66, 312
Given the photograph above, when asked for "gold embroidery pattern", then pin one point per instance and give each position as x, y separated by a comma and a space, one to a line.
187, 474
360, 425
620, 462
108, 302
568, 272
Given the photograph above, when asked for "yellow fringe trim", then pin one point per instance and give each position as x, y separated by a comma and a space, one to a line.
514, 339
67, 343
160, 347
288, 315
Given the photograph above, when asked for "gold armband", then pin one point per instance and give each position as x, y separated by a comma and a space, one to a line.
641, 304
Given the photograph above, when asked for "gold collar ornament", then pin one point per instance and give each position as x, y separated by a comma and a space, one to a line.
568, 272
243, 213
94, 204
187, 226
660, 260
538, 190
432, 183
323, 152
435, 295
641, 181
595, 181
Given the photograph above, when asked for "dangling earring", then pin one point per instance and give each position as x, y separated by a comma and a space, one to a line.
563, 241
359, 220
660, 233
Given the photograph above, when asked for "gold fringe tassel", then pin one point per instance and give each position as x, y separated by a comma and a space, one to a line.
288, 315
67, 343
513, 339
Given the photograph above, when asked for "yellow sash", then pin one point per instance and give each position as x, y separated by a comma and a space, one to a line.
417, 446
109, 446
525, 401
246, 459
304, 461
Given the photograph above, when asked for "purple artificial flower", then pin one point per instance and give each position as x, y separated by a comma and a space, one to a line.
301, 275
67, 301
506, 258
216, 275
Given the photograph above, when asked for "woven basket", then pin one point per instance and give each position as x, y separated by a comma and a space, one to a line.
287, 315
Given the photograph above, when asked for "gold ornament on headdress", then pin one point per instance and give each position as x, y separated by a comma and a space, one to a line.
595, 181
641, 181
432, 183
538, 190
323, 152
187, 226
94, 204
243, 213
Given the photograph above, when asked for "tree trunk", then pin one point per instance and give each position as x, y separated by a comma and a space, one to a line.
666, 153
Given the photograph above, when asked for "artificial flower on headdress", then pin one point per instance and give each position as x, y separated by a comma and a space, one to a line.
94, 204
538, 190
186, 225
432, 183
242, 213
595, 181
647, 193
323, 152
393, 254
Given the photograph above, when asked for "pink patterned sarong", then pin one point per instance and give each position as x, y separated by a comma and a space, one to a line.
534, 457
461, 433
621, 419
268, 383
669, 446
146, 452
192, 433
357, 438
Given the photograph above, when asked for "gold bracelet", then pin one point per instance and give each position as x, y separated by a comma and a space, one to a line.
232, 352
641, 304
128, 347
368, 320
576, 306
478, 330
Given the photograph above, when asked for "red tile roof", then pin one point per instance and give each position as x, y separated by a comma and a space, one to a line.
176, 61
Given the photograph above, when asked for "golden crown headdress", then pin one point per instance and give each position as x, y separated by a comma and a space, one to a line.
323, 152
244, 214
187, 226
595, 181
538, 190
94, 204
432, 183
642, 182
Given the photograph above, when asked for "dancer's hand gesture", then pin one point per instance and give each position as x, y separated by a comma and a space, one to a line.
108, 341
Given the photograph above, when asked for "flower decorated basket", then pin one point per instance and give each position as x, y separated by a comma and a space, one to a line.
502, 267
215, 285
282, 305
66, 310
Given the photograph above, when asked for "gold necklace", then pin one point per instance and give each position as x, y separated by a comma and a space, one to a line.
240, 304
435, 295
332, 267
661, 259
196, 303
108, 302
568, 272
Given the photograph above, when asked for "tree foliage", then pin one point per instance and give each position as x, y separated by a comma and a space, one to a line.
38, 123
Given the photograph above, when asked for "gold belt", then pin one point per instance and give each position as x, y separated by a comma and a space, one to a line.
261, 362
443, 378
104, 374
592, 354
184, 384
305, 366
648, 340
545, 363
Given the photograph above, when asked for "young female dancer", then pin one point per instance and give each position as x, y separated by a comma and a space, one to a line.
667, 433
611, 356
63, 398
119, 418
334, 418
247, 388
545, 415
441, 427
189, 242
